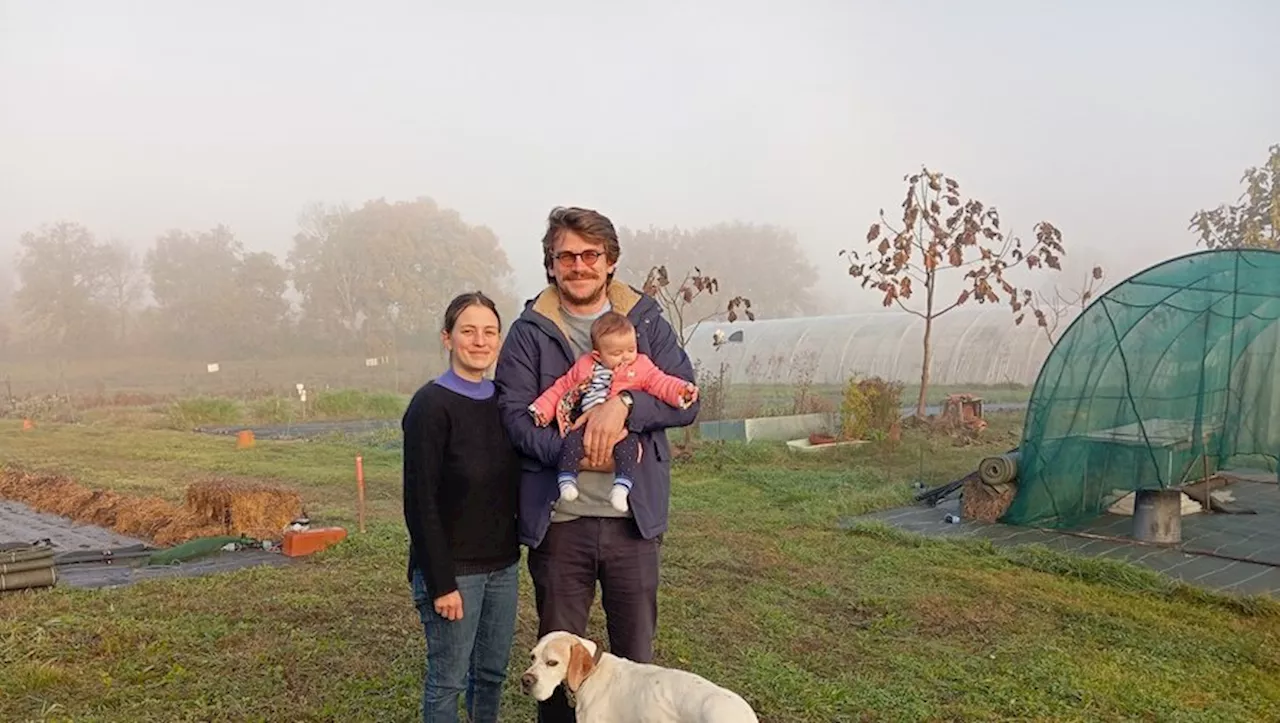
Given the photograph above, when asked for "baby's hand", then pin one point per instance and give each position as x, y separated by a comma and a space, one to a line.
690, 393
538, 419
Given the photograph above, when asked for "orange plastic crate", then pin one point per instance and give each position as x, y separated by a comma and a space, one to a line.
297, 544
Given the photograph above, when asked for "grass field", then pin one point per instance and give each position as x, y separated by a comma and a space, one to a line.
761, 591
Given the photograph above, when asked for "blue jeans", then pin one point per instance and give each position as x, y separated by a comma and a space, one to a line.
469, 655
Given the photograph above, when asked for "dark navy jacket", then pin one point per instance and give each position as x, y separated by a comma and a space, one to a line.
536, 353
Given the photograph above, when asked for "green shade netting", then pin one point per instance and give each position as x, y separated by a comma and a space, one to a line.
1173, 369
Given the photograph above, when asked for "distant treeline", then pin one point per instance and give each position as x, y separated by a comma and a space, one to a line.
372, 281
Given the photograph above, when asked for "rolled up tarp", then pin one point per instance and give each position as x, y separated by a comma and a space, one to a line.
26, 554
108, 556
999, 469
44, 577
191, 549
7, 568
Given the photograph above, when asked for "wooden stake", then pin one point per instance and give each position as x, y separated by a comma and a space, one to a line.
360, 490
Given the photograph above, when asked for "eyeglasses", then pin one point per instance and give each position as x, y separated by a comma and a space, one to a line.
566, 258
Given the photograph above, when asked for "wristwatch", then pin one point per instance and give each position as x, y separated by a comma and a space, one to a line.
627, 400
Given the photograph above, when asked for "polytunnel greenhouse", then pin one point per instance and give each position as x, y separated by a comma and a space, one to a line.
1167, 377
977, 345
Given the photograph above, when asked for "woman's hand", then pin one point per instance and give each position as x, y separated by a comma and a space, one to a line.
450, 606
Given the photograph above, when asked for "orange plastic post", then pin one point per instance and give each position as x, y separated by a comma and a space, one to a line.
244, 439
360, 490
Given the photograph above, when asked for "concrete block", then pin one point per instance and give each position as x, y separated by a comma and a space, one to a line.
773, 429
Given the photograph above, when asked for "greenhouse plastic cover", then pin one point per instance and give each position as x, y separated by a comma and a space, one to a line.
1169, 372
976, 344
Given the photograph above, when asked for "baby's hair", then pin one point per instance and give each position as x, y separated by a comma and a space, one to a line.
611, 322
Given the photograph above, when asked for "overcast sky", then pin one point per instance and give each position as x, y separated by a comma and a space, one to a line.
1116, 120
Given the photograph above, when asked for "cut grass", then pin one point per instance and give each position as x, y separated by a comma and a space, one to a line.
760, 591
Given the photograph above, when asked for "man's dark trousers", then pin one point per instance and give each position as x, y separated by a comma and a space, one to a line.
565, 567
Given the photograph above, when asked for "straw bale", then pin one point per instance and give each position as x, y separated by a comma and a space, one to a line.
245, 506
150, 518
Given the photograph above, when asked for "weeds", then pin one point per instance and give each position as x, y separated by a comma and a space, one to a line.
870, 408
351, 404
339, 405
205, 411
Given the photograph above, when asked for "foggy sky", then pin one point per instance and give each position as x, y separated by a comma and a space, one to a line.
1115, 120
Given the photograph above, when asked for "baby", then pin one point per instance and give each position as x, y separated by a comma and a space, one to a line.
611, 367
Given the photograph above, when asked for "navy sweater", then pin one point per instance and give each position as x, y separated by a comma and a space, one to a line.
461, 483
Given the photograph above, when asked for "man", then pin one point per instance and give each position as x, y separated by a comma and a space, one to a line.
572, 545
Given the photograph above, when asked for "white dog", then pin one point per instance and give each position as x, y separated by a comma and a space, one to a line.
609, 689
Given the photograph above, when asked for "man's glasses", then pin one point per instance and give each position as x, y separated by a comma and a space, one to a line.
566, 258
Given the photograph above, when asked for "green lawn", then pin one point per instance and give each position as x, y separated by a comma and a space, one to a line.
761, 592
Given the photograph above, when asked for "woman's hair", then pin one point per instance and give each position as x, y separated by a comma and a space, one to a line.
460, 304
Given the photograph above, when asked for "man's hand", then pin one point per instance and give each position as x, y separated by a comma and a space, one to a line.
450, 606
606, 426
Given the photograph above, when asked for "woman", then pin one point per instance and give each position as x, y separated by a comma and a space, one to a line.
461, 478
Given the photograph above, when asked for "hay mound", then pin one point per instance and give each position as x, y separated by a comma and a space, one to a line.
245, 507
151, 518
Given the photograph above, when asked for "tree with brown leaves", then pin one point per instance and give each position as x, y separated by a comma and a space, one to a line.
1254, 222
940, 230
677, 301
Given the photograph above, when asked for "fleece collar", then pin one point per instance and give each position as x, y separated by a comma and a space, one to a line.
622, 298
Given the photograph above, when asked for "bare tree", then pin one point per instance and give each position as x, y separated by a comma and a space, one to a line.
926, 243
678, 301
678, 305
1063, 305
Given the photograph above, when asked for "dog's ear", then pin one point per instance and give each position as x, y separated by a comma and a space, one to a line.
580, 666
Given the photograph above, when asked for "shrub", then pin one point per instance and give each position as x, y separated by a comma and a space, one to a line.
869, 408
885, 398
712, 388
274, 410
855, 411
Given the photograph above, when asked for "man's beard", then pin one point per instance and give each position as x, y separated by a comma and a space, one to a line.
583, 301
